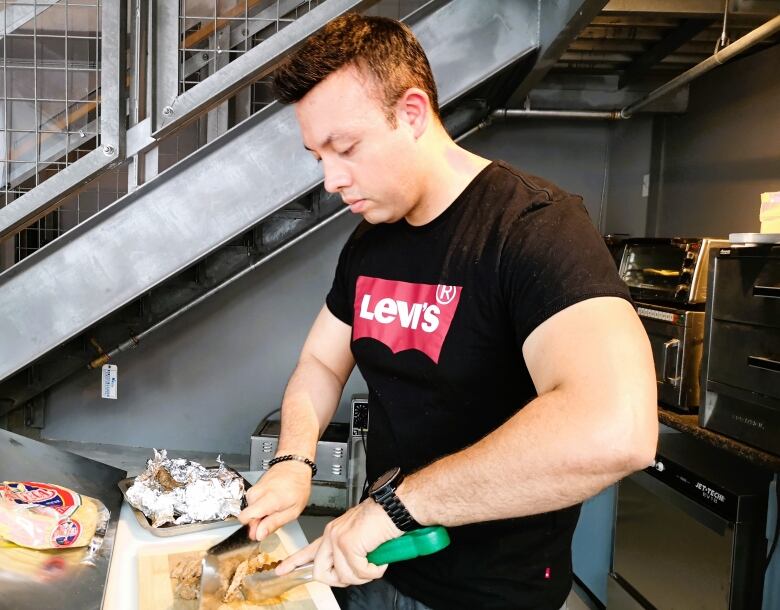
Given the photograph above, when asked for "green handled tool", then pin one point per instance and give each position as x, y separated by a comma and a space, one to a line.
266, 584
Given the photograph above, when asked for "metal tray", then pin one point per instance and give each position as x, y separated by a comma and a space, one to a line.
171, 529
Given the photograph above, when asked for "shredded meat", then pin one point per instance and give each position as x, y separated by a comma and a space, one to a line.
187, 569
187, 574
245, 568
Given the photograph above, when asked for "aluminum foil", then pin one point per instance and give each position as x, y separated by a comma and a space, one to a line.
180, 491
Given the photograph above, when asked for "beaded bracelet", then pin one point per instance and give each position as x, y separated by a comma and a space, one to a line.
297, 458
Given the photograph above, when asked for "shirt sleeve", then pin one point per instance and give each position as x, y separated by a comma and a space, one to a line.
341, 296
553, 258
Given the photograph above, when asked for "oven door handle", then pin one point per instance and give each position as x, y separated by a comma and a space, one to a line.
671, 344
767, 364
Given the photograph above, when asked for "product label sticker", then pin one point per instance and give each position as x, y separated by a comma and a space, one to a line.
109, 381
66, 532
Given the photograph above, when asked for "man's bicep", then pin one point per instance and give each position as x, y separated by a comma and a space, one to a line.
329, 343
597, 347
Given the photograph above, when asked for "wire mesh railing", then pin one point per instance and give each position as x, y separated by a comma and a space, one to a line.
50, 111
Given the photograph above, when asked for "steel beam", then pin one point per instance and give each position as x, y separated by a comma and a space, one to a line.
667, 45
220, 191
559, 24
44, 197
164, 58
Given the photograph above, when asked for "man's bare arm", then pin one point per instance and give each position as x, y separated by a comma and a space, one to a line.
309, 403
314, 389
594, 422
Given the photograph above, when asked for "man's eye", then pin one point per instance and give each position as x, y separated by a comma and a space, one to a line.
348, 151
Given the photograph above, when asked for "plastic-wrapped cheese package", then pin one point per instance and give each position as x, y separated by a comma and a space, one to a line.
46, 516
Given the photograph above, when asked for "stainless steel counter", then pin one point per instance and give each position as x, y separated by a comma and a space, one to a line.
66, 583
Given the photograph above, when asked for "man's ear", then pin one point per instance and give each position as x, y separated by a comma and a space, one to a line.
413, 109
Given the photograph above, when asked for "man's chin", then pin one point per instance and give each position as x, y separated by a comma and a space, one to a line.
374, 218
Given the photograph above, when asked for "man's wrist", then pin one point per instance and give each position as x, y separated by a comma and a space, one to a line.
410, 500
390, 528
292, 466
384, 492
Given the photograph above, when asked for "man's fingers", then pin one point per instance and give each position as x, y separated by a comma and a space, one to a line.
273, 522
366, 570
353, 568
254, 493
266, 505
305, 555
323, 563
344, 571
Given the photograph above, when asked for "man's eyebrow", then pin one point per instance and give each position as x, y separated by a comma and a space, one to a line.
327, 141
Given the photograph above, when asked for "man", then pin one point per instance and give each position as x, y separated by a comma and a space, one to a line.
509, 377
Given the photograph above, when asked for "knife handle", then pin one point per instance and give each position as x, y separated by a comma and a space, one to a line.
416, 543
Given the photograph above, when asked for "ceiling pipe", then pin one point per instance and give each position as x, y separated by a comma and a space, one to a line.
735, 48
596, 115
718, 58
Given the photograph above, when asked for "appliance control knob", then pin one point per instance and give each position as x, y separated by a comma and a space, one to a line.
659, 466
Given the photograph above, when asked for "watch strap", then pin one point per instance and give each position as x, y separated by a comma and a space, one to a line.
396, 510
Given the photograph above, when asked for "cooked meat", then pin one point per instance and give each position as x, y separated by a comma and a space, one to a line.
187, 590
254, 564
164, 478
187, 569
187, 574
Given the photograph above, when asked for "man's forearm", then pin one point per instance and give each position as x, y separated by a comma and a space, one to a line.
309, 403
550, 455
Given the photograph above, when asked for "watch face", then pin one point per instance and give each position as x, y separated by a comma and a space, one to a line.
385, 479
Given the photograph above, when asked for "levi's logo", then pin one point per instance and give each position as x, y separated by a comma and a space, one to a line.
403, 315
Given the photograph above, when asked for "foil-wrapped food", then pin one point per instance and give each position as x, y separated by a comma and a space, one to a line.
180, 491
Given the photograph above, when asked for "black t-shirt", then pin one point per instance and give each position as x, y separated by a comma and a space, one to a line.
439, 314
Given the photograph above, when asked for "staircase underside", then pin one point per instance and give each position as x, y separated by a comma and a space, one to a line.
199, 223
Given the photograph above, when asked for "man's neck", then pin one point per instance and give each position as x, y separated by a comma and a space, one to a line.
446, 177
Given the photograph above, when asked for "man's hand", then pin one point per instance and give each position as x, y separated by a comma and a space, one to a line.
340, 554
277, 498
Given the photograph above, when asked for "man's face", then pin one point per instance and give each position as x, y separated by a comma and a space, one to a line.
366, 160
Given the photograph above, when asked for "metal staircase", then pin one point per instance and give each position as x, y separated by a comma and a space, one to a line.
226, 208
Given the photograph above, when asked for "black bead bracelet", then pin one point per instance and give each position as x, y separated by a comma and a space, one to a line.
297, 458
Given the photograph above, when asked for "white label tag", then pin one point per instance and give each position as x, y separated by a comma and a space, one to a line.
109, 383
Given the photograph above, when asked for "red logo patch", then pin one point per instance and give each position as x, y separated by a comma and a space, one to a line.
403, 315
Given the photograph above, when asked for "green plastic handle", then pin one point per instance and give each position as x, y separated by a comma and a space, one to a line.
412, 544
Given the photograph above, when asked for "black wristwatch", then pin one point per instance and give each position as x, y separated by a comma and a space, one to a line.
382, 491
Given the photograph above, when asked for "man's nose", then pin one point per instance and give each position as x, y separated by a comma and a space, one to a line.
336, 176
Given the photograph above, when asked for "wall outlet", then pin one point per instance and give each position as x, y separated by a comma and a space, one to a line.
645, 185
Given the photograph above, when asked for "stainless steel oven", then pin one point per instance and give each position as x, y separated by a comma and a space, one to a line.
667, 278
676, 338
671, 271
690, 532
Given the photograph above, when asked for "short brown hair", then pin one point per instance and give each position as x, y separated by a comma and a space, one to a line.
384, 49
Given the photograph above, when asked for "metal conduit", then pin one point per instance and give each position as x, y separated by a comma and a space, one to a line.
609, 115
735, 48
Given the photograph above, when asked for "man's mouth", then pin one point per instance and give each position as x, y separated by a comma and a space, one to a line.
355, 205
